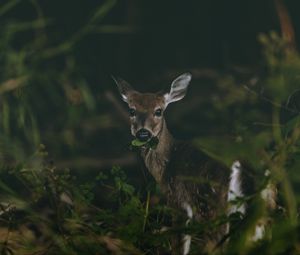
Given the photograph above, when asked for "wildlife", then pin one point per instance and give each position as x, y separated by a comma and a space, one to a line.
191, 181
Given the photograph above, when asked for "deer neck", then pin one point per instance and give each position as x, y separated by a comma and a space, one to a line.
156, 159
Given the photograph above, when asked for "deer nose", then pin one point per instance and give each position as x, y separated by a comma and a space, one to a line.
143, 135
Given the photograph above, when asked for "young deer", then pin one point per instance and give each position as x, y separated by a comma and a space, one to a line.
190, 179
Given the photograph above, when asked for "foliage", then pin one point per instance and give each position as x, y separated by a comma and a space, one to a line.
275, 144
47, 210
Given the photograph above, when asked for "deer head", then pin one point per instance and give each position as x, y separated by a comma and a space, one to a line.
146, 110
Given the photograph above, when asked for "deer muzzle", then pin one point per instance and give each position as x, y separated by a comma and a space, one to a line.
143, 135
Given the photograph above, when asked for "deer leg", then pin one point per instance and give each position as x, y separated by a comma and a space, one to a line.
181, 242
187, 239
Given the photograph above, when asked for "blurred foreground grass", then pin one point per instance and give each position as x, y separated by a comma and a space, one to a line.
47, 208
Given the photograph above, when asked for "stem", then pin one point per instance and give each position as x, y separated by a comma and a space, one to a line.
276, 125
146, 210
278, 165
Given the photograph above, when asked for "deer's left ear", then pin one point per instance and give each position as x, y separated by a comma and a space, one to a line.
124, 88
178, 88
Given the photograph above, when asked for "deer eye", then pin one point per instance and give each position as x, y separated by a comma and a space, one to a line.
132, 112
158, 113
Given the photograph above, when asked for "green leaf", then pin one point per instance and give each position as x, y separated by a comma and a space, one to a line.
137, 143
152, 143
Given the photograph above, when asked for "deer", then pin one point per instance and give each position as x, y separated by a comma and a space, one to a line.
175, 164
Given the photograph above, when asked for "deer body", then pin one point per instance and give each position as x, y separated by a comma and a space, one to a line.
191, 180
188, 176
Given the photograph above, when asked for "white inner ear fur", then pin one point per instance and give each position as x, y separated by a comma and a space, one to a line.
178, 88
125, 98
123, 87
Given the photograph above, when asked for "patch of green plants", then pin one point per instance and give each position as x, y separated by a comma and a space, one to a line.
47, 210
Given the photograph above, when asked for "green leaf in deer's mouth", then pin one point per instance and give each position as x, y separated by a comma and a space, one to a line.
138, 143
152, 143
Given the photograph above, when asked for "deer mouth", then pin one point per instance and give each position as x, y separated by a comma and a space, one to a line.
143, 135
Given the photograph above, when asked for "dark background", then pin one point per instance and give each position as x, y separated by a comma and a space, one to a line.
153, 37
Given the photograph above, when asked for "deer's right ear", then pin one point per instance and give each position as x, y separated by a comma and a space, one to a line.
124, 88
